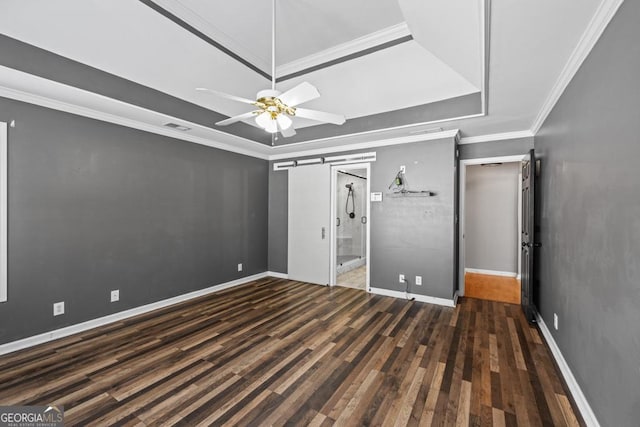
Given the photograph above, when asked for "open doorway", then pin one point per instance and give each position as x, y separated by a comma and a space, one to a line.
490, 228
350, 254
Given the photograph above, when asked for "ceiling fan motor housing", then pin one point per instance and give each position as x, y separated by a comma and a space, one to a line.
268, 93
268, 101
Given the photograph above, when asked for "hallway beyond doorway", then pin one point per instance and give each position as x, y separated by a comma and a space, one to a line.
493, 288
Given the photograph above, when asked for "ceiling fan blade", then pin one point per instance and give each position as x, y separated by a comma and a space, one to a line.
226, 95
321, 116
304, 92
234, 119
286, 133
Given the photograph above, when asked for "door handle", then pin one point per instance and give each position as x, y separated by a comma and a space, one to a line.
323, 233
531, 245
338, 222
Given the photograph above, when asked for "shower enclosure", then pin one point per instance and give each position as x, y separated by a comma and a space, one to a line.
351, 220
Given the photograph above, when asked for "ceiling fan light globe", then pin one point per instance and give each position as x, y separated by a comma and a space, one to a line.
284, 121
272, 127
263, 120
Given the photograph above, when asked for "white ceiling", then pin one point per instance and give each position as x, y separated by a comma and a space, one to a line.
130, 40
304, 27
530, 45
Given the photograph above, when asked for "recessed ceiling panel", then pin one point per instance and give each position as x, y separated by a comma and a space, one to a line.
451, 30
402, 76
303, 27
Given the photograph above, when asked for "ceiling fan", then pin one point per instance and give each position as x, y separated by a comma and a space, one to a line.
275, 109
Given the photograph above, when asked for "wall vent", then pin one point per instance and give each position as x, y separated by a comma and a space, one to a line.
177, 127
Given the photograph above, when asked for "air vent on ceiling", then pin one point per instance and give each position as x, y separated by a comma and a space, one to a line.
177, 127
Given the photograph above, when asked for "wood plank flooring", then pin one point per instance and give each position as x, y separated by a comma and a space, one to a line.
275, 352
494, 288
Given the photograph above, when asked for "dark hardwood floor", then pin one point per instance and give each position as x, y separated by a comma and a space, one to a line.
276, 352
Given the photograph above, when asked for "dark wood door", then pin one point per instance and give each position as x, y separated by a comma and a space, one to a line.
528, 234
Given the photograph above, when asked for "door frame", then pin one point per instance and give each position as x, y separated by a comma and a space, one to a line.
462, 206
333, 234
4, 176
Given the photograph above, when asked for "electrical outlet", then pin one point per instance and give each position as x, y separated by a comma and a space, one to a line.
240, 267
115, 295
58, 308
401, 278
403, 168
419, 280
555, 321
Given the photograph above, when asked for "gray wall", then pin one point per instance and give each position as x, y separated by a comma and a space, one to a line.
414, 236
508, 147
278, 225
590, 222
95, 207
491, 217
39, 62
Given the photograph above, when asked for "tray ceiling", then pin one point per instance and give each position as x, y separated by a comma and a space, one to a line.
371, 61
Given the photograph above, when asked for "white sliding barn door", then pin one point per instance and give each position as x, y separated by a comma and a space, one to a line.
309, 242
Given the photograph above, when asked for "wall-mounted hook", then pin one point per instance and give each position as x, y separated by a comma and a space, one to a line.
12, 124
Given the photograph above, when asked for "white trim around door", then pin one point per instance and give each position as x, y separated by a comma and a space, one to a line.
4, 176
334, 174
461, 214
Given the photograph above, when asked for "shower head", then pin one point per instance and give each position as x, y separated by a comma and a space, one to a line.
349, 186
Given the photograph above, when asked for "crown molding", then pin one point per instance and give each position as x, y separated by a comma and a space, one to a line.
261, 151
485, 52
370, 144
496, 137
343, 138
605, 12
130, 123
360, 44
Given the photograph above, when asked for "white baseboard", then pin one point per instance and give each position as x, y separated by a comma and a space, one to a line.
417, 297
277, 275
491, 272
101, 321
581, 401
